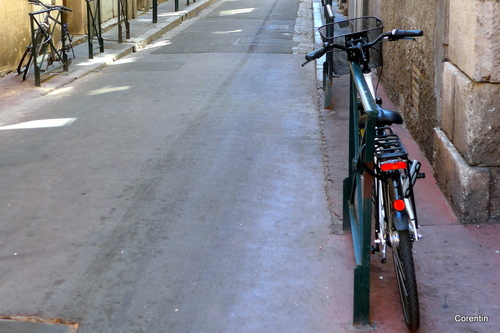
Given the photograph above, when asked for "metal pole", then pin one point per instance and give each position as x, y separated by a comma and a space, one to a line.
358, 192
99, 29
63, 41
120, 40
155, 11
176, 5
33, 51
90, 30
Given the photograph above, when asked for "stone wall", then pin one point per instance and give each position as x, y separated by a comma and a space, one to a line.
15, 27
470, 120
409, 73
447, 85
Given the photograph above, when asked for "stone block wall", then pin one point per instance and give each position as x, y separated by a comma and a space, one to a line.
474, 46
448, 89
469, 120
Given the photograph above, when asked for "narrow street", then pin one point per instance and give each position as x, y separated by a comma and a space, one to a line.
180, 189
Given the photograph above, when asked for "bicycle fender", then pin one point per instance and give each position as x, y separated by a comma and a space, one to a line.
400, 222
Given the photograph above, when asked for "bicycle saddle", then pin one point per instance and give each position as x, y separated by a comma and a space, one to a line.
384, 118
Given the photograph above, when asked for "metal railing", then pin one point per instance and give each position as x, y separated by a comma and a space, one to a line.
328, 64
357, 210
94, 26
56, 23
123, 16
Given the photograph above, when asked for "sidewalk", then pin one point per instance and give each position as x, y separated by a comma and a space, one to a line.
142, 32
457, 266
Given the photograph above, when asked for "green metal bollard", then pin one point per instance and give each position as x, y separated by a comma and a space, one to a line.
155, 11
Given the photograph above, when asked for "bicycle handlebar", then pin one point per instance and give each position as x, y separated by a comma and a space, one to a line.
406, 33
392, 35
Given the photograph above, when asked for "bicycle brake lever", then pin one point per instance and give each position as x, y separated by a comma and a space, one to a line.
308, 61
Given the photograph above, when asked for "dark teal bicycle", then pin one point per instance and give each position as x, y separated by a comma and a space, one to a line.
377, 153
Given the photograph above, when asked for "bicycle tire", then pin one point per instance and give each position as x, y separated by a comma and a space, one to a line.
407, 283
25, 60
40, 48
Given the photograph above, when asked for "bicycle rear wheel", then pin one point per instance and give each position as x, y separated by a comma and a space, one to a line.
407, 283
41, 45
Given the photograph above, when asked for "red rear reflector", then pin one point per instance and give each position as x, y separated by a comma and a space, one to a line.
393, 165
398, 205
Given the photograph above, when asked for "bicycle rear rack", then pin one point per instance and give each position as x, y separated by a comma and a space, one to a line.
388, 145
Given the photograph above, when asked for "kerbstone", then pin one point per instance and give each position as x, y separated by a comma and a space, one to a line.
473, 39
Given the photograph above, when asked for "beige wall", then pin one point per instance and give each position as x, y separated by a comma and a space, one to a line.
15, 27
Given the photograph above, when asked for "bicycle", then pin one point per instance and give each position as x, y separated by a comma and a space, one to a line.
357, 43
41, 51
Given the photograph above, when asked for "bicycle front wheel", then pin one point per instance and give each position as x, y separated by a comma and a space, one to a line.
25, 61
407, 283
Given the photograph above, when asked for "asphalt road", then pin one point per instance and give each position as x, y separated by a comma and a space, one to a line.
180, 189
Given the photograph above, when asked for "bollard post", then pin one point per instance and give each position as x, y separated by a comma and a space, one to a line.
33, 51
63, 41
155, 11
328, 64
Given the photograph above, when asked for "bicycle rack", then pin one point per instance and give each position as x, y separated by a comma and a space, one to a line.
123, 12
62, 56
328, 64
94, 26
357, 202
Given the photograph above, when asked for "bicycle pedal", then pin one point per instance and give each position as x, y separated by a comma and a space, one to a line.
383, 260
374, 249
421, 175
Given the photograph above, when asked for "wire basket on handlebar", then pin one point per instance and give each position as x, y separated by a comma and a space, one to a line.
341, 32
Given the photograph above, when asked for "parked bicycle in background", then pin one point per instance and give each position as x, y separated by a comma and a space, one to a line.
377, 155
50, 41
